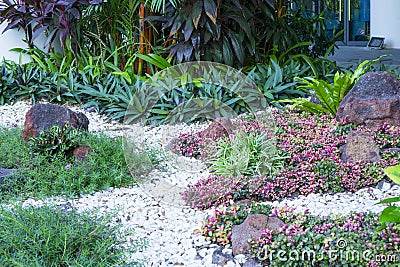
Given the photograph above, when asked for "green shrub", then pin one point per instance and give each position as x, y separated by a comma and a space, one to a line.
276, 82
248, 154
56, 140
109, 94
48, 236
6, 80
142, 160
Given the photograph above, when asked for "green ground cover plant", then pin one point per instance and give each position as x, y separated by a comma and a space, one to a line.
39, 177
49, 236
56, 141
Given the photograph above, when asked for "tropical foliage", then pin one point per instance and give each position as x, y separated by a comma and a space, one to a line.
329, 95
35, 17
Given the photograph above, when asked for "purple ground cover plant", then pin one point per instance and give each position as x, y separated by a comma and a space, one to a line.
311, 144
354, 233
188, 144
217, 228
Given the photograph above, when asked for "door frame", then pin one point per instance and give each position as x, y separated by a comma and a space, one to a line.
346, 23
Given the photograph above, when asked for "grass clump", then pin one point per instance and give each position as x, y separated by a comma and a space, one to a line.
142, 160
47, 236
247, 154
40, 177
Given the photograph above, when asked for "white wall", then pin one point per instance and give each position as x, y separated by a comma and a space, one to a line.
385, 21
13, 39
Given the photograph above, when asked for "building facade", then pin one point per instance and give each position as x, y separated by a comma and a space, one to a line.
385, 21
361, 19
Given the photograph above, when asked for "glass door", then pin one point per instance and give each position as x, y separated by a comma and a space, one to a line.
352, 16
334, 20
358, 20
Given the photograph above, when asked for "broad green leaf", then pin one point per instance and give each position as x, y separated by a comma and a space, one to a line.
196, 13
390, 214
160, 111
278, 77
306, 105
341, 86
211, 10
393, 173
237, 47
389, 200
155, 60
227, 52
363, 68
232, 101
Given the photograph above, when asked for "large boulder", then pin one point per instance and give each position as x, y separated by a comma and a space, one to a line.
41, 117
252, 227
373, 101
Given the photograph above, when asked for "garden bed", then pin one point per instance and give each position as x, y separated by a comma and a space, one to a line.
169, 233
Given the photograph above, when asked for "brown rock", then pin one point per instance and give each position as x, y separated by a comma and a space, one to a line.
251, 263
41, 117
220, 127
221, 259
252, 227
81, 152
360, 146
373, 101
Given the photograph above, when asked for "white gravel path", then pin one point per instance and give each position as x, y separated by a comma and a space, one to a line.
169, 229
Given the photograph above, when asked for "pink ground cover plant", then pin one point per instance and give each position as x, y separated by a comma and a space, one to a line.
337, 240
217, 228
313, 164
340, 235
